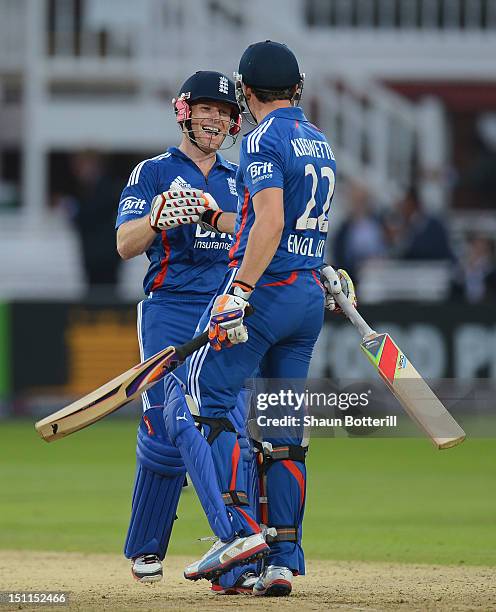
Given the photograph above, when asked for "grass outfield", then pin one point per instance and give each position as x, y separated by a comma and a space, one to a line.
382, 500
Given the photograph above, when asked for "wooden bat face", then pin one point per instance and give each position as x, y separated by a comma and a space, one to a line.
119, 391
107, 398
411, 390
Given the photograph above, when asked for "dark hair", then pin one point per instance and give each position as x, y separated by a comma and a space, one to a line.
271, 95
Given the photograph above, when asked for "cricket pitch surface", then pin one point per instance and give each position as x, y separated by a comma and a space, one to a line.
104, 582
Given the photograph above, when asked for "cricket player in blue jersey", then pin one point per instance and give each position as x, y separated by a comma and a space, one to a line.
285, 185
187, 263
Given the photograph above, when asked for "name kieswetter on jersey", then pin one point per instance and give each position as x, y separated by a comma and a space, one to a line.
312, 148
306, 246
132, 206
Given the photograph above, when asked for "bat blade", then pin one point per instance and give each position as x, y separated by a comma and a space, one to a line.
412, 391
107, 398
120, 390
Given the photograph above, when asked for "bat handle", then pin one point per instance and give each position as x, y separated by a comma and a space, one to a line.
188, 348
346, 306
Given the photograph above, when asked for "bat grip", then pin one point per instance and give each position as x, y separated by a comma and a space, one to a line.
346, 306
188, 348
354, 316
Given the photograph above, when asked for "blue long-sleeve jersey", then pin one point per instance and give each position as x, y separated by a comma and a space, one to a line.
185, 259
288, 152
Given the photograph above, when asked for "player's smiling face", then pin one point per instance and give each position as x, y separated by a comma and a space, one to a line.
210, 123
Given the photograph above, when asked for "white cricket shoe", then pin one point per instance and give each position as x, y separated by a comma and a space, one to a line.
223, 556
147, 568
274, 582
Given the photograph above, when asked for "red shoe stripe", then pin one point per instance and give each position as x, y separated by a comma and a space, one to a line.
241, 557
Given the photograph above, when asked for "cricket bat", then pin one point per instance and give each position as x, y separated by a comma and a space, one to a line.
396, 370
116, 393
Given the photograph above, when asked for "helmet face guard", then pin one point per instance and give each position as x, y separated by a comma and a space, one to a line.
183, 113
240, 94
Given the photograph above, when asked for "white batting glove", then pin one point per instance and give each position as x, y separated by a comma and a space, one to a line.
347, 287
171, 209
226, 318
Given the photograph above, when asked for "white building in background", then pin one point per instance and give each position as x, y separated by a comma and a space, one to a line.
100, 73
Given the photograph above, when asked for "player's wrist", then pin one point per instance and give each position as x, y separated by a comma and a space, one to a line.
212, 218
241, 289
156, 229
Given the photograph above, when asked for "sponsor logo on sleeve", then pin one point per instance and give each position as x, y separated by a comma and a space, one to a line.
132, 206
260, 171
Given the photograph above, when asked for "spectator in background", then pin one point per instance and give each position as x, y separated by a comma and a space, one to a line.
361, 236
476, 274
416, 235
94, 217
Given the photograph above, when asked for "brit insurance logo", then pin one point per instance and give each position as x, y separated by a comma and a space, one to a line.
223, 85
132, 206
231, 181
260, 171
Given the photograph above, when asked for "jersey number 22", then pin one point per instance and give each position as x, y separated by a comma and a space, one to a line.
306, 221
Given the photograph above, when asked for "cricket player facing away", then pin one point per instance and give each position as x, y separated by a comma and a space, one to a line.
187, 264
285, 184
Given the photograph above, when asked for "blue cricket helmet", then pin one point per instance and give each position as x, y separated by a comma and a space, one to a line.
208, 85
269, 65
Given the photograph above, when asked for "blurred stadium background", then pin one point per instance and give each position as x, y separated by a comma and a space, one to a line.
406, 93
404, 89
